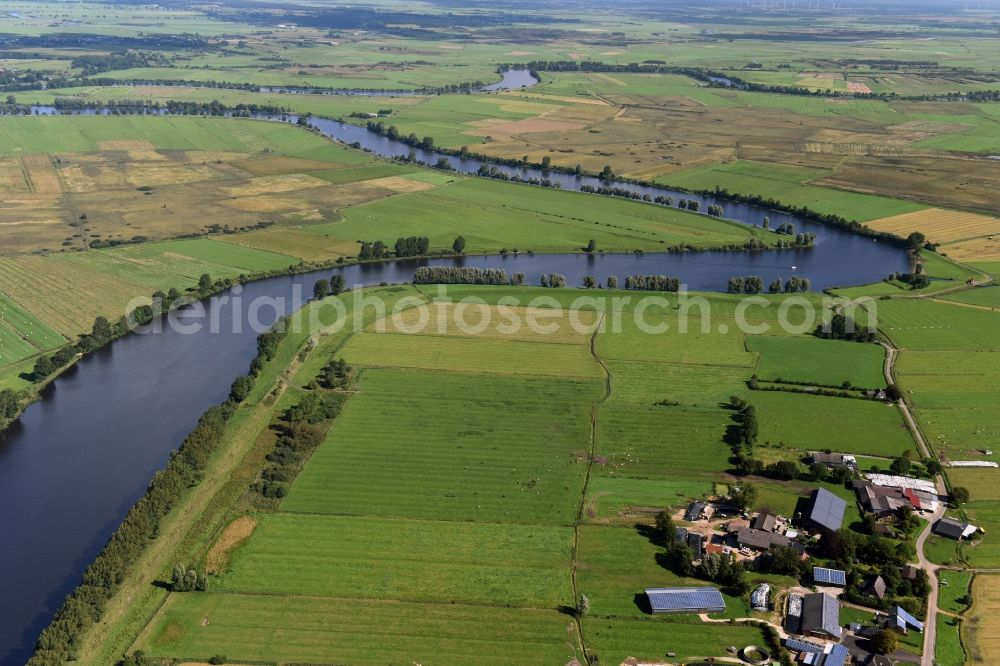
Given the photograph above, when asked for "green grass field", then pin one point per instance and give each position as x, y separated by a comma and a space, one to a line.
948, 650
811, 423
987, 297
954, 586
453, 446
323, 630
816, 361
407, 560
498, 215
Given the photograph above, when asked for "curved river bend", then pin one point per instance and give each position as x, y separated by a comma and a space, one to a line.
77, 459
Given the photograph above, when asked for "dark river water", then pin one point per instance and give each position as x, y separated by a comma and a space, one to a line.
77, 459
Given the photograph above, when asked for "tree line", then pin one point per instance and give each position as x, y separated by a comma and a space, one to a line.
465, 275
754, 284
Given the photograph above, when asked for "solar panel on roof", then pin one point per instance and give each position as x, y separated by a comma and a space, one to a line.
901, 614
827, 509
802, 646
685, 599
829, 576
837, 656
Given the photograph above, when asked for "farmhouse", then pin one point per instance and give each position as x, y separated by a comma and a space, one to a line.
826, 511
685, 600
833, 460
953, 529
881, 501
759, 540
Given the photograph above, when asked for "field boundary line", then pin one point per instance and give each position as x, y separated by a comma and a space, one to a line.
371, 516
594, 415
384, 600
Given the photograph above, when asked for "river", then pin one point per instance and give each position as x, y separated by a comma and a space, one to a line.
78, 458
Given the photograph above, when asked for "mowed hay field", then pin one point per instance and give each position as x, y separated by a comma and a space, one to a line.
47, 300
962, 236
981, 629
118, 179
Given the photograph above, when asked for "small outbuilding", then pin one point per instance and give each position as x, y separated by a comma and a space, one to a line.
876, 587
759, 598
833, 460
764, 521
696, 511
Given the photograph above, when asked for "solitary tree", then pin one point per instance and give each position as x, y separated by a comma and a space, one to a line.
546, 162
321, 288
612, 282
589, 282
664, 527
591, 245
205, 282
583, 605
960, 494
459, 245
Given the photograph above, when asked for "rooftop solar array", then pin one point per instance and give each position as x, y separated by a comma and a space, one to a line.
827, 509
802, 646
685, 599
837, 656
829, 576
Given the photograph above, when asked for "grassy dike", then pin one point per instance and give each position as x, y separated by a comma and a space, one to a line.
198, 518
